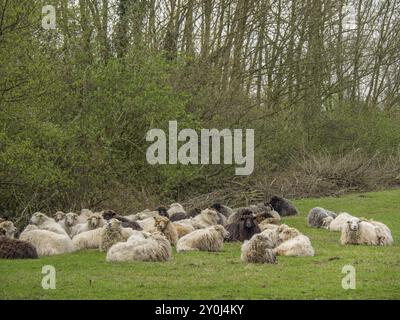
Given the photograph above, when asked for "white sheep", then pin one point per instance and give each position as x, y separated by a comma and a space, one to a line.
70, 220
44, 222
356, 231
299, 246
206, 218
341, 220
94, 221
147, 224
141, 246
258, 249
92, 239
383, 232
208, 239
47, 243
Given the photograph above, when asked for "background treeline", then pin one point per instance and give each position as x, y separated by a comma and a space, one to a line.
318, 80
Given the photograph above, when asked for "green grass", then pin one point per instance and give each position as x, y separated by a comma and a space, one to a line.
202, 275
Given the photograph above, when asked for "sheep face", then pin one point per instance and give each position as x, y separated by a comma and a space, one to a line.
248, 221
37, 218
58, 216
224, 233
8, 229
71, 219
353, 224
108, 214
114, 225
161, 223
162, 211
94, 221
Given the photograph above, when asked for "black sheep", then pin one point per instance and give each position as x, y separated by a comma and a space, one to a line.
162, 211
244, 229
126, 223
283, 206
178, 216
16, 249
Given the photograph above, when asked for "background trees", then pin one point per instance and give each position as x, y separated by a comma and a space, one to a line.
316, 79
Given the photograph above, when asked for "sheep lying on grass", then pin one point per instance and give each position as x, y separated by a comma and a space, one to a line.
372, 233
111, 234
44, 222
141, 246
258, 250
208, 239
283, 206
320, 218
15, 249
243, 230
94, 221
47, 243
340, 221
383, 232
91, 239
206, 218
287, 241
167, 228
299, 246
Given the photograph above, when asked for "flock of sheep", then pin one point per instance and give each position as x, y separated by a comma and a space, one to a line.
149, 235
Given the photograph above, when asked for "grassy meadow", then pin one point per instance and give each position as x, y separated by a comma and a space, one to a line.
222, 275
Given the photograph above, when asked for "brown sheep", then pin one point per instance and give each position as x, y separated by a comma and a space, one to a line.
15, 249
166, 227
183, 229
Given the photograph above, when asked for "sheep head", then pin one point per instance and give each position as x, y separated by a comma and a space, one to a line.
114, 225
161, 223
108, 214
219, 228
162, 211
353, 224
248, 221
38, 218
71, 219
8, 229
216, 206
94, 220
58, 216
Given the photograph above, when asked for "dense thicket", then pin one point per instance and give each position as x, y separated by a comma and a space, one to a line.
317, 80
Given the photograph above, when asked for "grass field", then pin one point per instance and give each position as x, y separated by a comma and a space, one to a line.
201, 275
